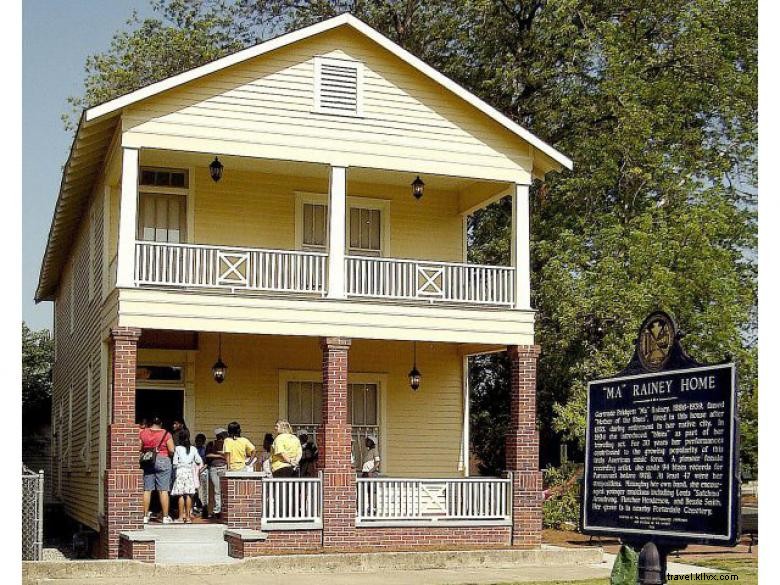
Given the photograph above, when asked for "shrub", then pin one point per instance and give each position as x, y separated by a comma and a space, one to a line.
562, 490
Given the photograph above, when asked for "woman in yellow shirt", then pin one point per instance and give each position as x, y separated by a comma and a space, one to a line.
237, 449
286, 450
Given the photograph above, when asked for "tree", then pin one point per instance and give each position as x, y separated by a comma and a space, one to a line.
656, 102
37, 361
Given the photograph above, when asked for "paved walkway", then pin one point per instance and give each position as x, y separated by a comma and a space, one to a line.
482, 576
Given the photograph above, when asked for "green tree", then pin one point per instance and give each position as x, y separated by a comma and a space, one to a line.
37, 361
655, 101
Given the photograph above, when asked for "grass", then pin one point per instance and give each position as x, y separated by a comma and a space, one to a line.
745, 568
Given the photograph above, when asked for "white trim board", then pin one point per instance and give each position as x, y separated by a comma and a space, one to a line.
115, 105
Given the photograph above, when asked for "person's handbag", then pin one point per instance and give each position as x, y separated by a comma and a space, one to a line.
149, 455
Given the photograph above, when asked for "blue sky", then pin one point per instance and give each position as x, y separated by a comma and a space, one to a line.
57, 37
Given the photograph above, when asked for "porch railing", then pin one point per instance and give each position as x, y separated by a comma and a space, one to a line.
388, 501
393, 278
221, 267
292, 502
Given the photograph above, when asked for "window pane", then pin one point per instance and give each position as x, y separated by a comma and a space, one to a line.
314, 228
365, 227
147, 177
293, 392
354, 228
317, 402
372, 404
177, 179
306, 403
320, 224
359, 404
375, 232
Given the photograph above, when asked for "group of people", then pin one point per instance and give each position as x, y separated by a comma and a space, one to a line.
173, 466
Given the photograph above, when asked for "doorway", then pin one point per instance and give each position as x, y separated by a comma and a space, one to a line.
167, 403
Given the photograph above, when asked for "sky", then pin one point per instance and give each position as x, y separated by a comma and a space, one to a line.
57, 37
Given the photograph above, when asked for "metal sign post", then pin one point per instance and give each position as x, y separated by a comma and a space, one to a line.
662, 449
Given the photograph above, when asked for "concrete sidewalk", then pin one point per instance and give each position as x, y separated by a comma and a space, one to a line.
465, 576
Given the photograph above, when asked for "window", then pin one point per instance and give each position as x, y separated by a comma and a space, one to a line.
162, 218
315, 227
300, 401
166, 374
365, 232
338, 86
164, 177
366, 224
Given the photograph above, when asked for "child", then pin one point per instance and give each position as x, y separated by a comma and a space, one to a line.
201, 483
185, 461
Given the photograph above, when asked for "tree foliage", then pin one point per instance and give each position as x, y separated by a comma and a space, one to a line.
654, 100
37, 361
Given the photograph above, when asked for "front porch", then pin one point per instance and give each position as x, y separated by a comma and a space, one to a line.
339, 390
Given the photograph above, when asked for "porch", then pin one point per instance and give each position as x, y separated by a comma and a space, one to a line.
423, 495
285, 229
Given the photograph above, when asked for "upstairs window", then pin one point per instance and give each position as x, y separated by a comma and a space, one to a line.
365, 227
338, 86
162, 218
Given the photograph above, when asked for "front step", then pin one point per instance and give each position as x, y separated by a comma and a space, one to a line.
189, 544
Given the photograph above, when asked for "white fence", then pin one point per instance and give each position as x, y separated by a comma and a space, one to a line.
393, 278
202, 266
469, 501
292, 502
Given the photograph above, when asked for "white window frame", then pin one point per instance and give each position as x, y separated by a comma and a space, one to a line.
319, 61
380, 379
187, 192
303, 197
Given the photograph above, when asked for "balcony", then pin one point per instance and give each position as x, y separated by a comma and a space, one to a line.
245, 270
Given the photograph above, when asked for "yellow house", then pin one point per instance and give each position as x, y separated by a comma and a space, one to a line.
298, 210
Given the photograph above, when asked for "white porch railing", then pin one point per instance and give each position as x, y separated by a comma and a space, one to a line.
292, 502
393, 278
203, 266
470, 501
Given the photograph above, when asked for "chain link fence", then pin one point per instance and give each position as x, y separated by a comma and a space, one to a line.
32, 515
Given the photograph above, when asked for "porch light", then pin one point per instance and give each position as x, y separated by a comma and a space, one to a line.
219, 369
417, 187
215, 168
414, 374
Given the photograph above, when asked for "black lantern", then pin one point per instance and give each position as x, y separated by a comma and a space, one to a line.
417, 187
219, 369
414, 373
215, 168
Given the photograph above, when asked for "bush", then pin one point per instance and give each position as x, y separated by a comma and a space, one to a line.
562, 488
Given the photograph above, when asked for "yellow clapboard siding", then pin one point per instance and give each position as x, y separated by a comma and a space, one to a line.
409, 122
421, 430
75, 474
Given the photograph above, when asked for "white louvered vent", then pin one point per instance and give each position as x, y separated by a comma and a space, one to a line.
338, 86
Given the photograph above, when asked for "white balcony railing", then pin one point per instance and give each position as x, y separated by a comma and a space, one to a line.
222, 267
391, 501
392, 278
292, 502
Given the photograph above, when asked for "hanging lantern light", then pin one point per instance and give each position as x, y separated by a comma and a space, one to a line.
219, 369
414, 373
215, 168
417, 187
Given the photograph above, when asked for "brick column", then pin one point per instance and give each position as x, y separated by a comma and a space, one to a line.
123, 487
242, 500
522, 447
335, 445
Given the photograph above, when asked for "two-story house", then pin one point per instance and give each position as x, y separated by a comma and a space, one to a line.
296, 212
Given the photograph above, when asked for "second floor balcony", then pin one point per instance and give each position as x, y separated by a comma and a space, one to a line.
301, 231
236, 269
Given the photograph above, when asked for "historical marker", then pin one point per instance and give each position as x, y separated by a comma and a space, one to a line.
662, 447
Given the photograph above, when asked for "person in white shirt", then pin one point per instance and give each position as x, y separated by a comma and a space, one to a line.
372, 459
186, 462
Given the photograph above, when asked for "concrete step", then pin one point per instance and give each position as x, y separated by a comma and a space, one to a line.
192, 553
187, 532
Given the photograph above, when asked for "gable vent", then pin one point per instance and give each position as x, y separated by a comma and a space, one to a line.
338, 86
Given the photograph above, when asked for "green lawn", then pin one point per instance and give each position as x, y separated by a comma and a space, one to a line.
745, 568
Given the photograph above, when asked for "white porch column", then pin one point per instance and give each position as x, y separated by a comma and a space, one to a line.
128, 210
521, 246
337, 232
